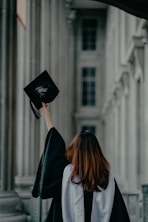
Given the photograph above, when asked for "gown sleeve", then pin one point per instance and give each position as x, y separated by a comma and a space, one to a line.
119, 210
50, 170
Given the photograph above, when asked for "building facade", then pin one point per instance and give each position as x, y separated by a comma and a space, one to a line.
97, 55
125, 105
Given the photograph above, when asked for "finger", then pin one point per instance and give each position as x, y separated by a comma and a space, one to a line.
43, 105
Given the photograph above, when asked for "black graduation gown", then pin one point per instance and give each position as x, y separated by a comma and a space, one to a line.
48, 182
119, 211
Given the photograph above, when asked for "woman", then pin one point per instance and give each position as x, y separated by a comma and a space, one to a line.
78, 179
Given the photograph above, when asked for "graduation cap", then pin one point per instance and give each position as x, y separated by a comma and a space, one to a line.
41, 89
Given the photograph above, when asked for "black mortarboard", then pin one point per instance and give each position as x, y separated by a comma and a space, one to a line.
41, 89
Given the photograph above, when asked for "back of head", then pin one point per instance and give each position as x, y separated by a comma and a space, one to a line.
89, 162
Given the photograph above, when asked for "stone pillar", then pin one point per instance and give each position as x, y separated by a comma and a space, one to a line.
146, 108
127, 124
45, 55
132, 136
30, 150
116, 136
10, 205
113, 133
124, 129
60, 66
109, 132
23, 181
123, 139
45, 64
71, 77
136, 60
54, 54
117, 49
122, 36
118, 131
107, 148
106, 116
69, 70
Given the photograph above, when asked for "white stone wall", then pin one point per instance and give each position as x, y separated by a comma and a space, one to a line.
90, 115
125, 96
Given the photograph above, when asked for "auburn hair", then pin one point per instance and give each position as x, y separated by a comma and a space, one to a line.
88, 161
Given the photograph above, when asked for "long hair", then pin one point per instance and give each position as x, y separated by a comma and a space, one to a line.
90, 164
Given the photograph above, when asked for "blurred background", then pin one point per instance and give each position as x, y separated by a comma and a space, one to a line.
97, 55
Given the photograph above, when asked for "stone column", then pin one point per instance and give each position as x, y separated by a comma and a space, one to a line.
118, 130
45, 64
146, 108
106, 117
132, 136
117, 49
109, 132
10, 205
69, 68
60, 66
61, 72
136, 64
45, 55
112, 132
54, 54
116, 136
138, 70
72, 78
125, 78
122, 36
29, 152
124, 156
123, 138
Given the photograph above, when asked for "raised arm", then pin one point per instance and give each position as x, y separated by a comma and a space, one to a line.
47, 115
52, 163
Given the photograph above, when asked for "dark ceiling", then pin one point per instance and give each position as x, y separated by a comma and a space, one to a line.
138, 8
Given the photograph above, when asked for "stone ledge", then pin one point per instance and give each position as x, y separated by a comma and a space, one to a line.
11, 208
18, 218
